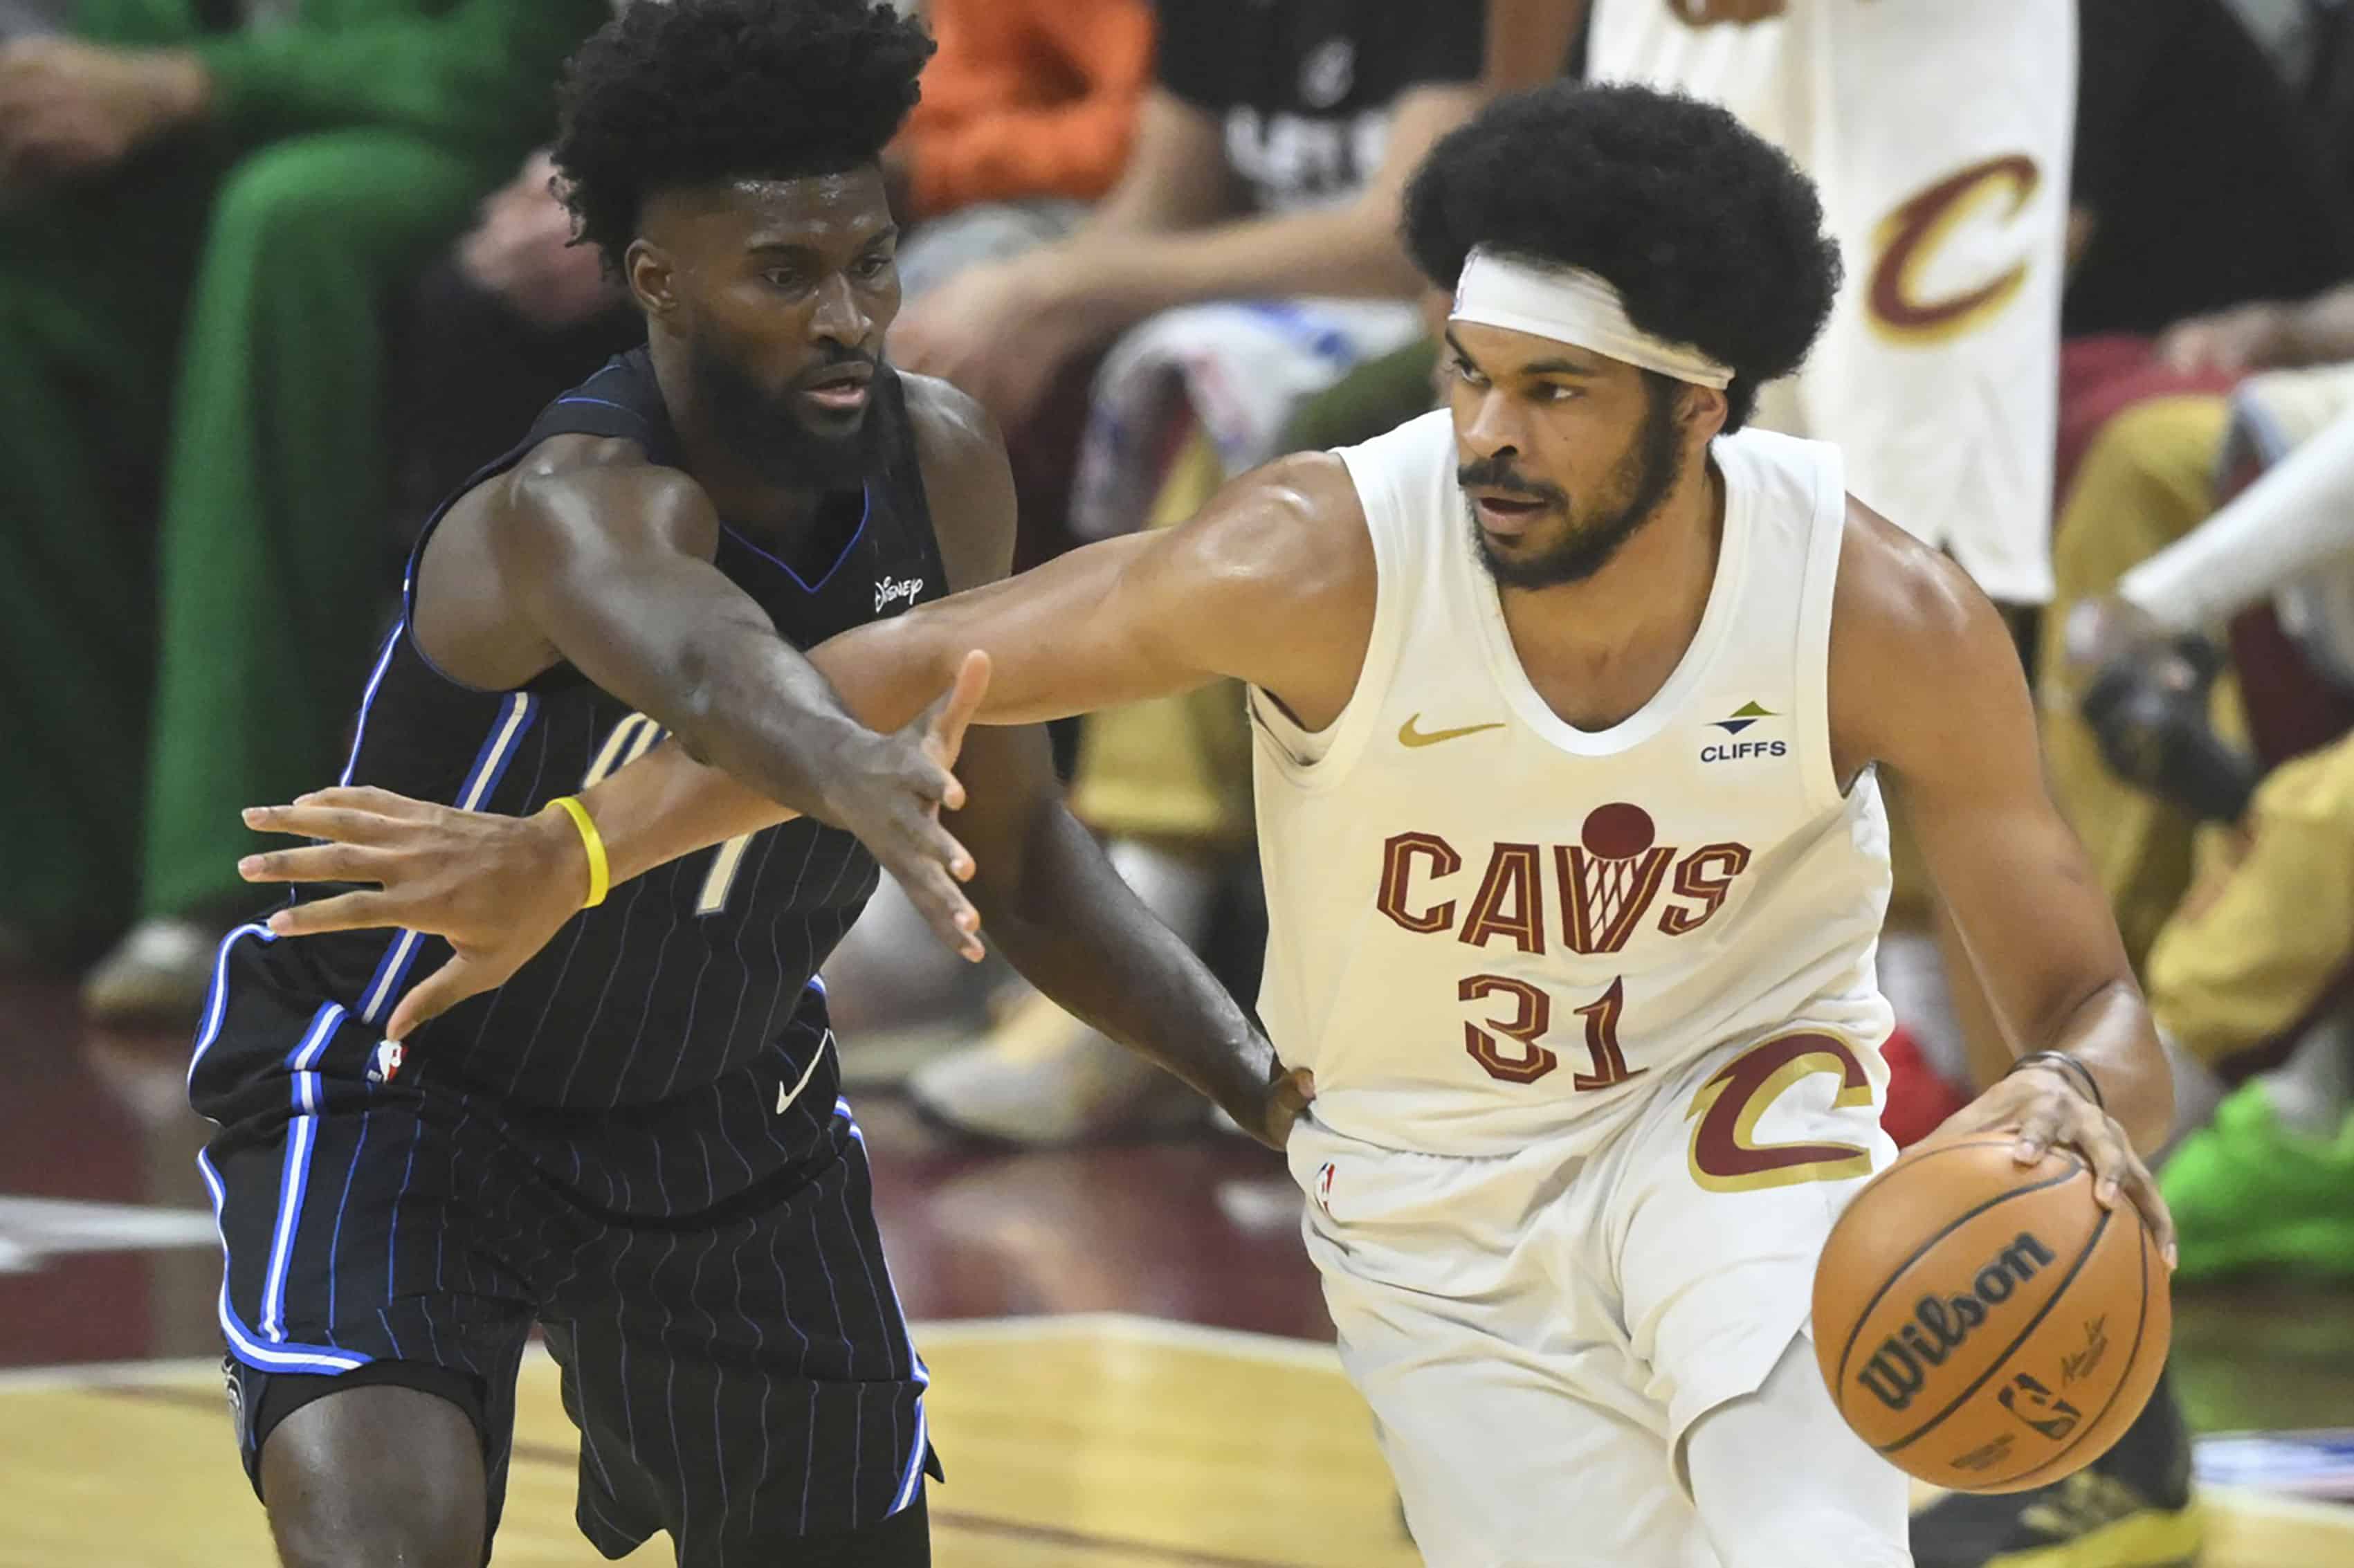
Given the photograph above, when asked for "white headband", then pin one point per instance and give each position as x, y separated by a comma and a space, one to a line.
1569, 304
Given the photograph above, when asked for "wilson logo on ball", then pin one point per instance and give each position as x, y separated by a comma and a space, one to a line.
1941, 1323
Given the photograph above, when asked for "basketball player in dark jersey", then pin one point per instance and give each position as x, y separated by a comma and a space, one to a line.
638, 1141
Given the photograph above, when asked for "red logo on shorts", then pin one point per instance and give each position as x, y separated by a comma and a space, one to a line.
1324, 1186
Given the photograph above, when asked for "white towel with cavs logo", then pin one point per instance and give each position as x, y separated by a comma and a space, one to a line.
1940, 134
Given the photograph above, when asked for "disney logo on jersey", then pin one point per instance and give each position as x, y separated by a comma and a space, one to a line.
893, 590
1742, 718
1604, 885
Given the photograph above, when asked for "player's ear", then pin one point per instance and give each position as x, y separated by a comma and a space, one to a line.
652, 277
1704, 411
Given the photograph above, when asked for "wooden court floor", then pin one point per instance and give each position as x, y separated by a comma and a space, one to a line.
1090, 1441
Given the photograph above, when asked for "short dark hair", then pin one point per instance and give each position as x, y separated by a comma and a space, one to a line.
701, 91
1713, 236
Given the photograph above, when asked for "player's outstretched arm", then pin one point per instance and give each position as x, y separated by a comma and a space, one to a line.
498, 889
609, 565
1272, 584
1924, 679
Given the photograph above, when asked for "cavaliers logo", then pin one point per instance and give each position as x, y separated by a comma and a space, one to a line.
1911, 237
1725, 1156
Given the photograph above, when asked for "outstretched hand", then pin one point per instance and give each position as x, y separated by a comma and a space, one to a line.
498, 889
495, 887
890, 789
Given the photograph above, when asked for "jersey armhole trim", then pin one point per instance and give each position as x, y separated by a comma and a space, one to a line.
1343, 741
1814, 650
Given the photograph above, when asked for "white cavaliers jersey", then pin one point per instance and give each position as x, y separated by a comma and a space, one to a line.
1490, 928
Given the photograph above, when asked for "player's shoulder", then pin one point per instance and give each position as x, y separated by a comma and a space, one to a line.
1895, 593
1295, 525
574, 490
968, 480
1911, 634
572, 459
947, 422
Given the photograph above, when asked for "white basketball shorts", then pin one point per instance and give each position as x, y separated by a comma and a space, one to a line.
1538, 1333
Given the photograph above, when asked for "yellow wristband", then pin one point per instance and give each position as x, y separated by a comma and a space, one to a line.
600, 870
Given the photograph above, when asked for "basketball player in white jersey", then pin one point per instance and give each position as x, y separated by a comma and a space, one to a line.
1570, 700
1939, 135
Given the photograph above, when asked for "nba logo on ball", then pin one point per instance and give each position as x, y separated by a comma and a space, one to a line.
1989, 1326
386, 1066
1324, 1186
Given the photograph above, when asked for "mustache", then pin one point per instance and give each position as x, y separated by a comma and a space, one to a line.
1493, 473
836, 360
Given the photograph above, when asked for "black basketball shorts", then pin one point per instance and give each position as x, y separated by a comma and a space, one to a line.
706, 1270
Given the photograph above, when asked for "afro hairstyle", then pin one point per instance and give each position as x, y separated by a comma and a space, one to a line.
1712, 237
697, 92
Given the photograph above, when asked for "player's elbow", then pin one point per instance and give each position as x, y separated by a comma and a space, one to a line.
694, 713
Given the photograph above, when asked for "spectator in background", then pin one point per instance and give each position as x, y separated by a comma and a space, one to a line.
202, 210
501, 323
1028, 113
2203, 176
1247, 259
1267, 165
2256, 962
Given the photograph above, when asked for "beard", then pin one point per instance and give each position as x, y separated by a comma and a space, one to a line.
767, 432
1643, 476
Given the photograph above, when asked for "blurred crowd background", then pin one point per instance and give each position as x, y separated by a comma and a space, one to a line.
277, 275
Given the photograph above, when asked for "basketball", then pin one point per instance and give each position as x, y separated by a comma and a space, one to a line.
1987, 1325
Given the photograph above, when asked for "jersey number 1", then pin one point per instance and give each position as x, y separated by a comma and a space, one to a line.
632, 738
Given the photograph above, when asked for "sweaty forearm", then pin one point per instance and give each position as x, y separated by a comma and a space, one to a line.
1072, 928
755, 708
682, 797
2111, 1034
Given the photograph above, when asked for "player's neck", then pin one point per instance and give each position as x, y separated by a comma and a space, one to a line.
1598, 650
738, 492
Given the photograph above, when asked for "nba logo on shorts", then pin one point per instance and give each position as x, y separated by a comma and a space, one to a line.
1324, 1186
234, 1386
386, 1066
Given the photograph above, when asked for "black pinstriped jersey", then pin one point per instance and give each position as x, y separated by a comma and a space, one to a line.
687, 972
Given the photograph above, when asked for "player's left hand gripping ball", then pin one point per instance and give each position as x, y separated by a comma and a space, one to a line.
2045, 1107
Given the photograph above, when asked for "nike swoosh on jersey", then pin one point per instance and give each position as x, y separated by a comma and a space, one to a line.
1409, 736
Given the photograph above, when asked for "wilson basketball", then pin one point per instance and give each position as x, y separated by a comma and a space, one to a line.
1985, 1325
